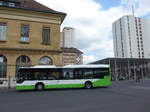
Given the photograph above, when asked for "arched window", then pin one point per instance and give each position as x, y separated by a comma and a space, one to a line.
23, 61
3, 66
45, 60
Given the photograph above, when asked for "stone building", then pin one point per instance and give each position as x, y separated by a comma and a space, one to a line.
29, 35
71, 56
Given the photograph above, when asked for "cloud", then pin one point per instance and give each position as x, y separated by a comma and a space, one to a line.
89, 59
93, 25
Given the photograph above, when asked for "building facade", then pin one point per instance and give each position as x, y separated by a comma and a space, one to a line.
67, 37
71, 56
29, 35
131, 37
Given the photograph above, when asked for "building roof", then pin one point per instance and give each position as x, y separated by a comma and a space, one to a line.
67, 66
71, 50
87, 66
38, 66
121, 60
34, 6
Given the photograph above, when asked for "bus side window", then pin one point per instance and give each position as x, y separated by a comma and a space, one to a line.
78, 74
88, 74
28, 74
32, 77
100, 73
43, 75
25, 75
36, 75
68, 75
51, 75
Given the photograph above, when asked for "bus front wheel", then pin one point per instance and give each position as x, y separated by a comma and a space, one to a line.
39, 86
88, 85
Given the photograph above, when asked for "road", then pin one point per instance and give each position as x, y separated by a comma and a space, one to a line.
124, 96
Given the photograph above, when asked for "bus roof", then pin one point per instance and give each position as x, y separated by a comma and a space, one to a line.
40, 66
88, 66
68, 66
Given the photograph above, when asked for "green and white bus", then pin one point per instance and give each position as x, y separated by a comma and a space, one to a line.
71, 76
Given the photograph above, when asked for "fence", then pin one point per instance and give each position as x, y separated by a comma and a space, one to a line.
7, 82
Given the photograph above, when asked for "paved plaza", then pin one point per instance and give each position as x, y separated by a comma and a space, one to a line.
123, 96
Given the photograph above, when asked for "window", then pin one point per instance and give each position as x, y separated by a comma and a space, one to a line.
100, 73
3, 30
40, 74
45, 61
68, 75
88, 73
3, 66
139, 20
1, 3
24, 33
136, 23
78, 74
10, 4
142, 42
23, 61
46, 35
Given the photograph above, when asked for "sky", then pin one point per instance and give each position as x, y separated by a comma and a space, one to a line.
92, 21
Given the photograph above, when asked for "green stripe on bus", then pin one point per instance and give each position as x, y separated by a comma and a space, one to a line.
29, 87
64, 86
103, 82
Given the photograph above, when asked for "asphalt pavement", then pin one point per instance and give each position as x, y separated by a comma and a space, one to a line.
123, 96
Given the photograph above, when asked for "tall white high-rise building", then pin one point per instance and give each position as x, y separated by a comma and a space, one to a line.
131, 36
67, 37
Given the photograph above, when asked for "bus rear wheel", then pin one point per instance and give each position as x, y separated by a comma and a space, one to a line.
39, 86
88, 85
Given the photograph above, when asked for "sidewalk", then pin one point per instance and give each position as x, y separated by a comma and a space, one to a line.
6, 89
